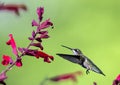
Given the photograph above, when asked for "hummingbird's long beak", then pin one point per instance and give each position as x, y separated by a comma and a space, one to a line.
67, 47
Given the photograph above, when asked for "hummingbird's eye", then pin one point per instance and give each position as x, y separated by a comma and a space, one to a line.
77, 50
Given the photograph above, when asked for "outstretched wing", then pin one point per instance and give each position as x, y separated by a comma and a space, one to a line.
71, 58
94, 67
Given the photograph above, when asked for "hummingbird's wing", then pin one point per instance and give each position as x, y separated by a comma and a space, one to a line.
93, 67
72, 58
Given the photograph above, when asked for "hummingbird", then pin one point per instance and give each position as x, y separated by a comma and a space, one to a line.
81, 59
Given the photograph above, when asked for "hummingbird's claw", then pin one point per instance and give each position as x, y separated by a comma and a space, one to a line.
87, 71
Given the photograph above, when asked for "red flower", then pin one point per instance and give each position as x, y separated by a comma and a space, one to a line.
117, 80
19, 62
69, 76
6, 60
118, 77
13, 7
44, 55
13, 44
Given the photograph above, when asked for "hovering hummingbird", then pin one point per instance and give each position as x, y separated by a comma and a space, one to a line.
81, 59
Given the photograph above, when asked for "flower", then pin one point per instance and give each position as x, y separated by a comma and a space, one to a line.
37, 54
6, 60
47, 23
19, 62
40, 54
40, 11
69, 76
117, 80
2, 78
37, 45
11, 42
13, 7
44, 34
34, 23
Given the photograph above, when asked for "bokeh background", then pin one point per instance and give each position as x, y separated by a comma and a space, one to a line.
90, 25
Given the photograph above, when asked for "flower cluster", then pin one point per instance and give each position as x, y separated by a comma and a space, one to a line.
37, 36
7, 59
35, 40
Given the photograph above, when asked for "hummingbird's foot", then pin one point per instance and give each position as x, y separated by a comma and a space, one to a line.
87, 71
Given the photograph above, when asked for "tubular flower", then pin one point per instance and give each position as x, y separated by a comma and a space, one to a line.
13, 7
11, 42
6, 60
69, 76
40, 54
40, 11
19, 62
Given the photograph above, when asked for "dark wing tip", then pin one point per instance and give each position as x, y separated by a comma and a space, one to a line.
103, 74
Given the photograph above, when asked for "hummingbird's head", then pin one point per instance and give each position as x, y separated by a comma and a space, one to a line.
75, 51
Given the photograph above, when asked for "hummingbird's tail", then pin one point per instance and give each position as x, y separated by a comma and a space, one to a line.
97, 70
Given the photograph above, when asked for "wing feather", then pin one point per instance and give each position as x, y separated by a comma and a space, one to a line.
71, 58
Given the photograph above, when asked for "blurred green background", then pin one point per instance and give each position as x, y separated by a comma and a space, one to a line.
90, 25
